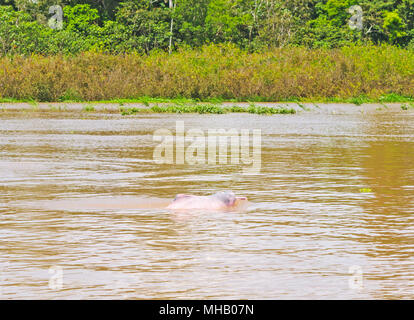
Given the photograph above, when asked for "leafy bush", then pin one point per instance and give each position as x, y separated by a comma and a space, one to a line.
221, 72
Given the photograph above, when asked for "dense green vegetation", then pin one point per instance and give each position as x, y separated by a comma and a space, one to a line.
242, 50
118, 26
358, 74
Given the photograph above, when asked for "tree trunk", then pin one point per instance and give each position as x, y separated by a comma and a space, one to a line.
171, 6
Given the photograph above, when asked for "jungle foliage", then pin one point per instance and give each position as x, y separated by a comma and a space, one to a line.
124, 26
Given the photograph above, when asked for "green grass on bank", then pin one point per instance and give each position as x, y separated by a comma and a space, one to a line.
180, 108
359, 100
209, 109
147, 101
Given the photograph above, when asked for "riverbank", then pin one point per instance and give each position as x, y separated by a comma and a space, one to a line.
214, 74
264, 108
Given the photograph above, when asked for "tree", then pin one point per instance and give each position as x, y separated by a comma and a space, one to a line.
190, 16
330, 27
227, 21
276, 24
147, 24
19, 34
394, 26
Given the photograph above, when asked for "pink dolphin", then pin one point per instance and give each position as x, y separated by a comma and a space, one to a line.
225, 200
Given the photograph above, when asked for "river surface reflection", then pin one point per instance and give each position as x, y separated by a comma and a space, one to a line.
331, 209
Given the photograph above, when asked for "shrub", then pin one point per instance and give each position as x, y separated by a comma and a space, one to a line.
215, 72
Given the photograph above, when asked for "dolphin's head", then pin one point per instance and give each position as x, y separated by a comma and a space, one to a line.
227, 197
220, 200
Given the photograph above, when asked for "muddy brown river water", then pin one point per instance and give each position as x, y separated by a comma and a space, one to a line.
331, 211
